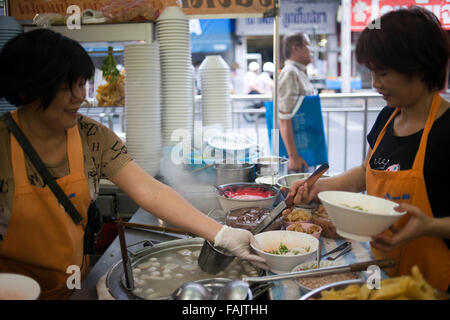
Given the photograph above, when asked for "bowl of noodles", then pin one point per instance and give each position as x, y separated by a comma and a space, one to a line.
359, 216
283, 250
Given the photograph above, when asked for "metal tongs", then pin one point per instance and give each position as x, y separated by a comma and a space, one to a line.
288, 200
346, 247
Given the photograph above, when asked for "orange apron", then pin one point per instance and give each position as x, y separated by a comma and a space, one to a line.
42, 241
430, 253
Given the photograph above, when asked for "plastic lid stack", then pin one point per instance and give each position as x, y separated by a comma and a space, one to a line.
176, 74
216, 85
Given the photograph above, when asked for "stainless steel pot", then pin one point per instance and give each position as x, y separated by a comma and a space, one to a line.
115, 280
232, 173
268, 166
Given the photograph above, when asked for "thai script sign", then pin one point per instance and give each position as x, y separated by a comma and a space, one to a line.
228, 8
295, 16
364, 11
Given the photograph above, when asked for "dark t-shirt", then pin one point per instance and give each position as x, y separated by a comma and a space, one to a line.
398, 153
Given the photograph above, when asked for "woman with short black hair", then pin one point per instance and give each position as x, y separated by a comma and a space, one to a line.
44, 73
408, 159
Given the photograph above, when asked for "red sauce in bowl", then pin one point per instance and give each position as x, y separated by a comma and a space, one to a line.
246, 193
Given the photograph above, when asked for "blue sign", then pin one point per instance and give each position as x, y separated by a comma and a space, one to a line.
210, 35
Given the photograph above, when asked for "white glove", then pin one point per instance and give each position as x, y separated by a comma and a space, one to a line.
237, 241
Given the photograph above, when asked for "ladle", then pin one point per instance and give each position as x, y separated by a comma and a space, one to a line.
191, 291
234, 290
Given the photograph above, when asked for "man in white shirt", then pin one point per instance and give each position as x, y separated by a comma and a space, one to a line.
293, 86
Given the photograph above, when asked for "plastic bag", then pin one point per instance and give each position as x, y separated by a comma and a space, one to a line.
119, 11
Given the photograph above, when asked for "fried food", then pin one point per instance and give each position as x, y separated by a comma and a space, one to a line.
310, 230
411, 287
298, 215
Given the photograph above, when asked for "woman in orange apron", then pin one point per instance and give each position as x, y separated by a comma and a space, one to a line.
430, 253
44, 74
42, 241
408, 56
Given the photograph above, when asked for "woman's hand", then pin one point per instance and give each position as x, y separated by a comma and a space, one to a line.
302, 193
238, 241
419, 225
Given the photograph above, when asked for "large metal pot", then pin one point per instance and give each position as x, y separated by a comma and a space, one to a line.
232, 173
115, 279
271, 166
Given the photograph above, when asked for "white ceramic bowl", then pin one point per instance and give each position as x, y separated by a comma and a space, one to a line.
18, 287
270, 240
228, 204
354, 224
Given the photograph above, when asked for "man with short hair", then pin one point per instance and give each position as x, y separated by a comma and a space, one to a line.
293, 86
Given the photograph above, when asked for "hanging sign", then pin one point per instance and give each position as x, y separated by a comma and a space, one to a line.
365, 11
27, 9
225, 8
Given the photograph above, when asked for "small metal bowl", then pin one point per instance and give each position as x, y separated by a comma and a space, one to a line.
228, 204
317, 293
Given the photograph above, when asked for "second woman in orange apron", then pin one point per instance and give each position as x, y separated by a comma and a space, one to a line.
430, 253
408, 57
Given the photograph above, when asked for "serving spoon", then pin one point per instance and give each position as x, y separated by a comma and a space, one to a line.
191, 291
234, 290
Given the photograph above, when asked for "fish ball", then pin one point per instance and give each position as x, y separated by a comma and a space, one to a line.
145, 265
171, 266
185, 252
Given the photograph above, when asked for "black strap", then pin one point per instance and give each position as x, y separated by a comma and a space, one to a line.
41, 168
